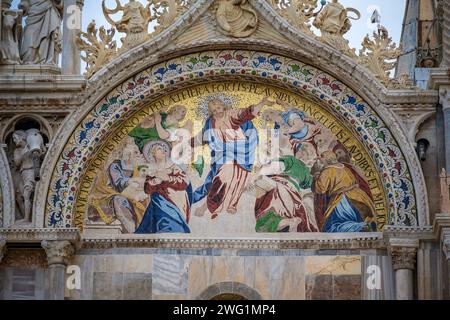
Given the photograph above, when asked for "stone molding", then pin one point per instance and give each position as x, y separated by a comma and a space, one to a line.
58, 252
425, 233
2, 249
442, 230
30, 235
300, 241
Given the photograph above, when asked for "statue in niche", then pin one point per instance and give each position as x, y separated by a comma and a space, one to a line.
41, 42
28, 151
236, 18
11, 29
334, 22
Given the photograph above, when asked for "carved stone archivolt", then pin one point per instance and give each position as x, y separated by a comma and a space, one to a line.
58, 252
239, 19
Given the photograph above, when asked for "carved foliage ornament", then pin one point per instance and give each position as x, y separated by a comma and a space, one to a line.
333, 20
58, 252
98, 44
403, 257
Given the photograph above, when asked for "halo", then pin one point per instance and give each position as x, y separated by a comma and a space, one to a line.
202, 109
147, 151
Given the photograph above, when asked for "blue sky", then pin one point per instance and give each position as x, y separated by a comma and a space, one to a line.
392, 12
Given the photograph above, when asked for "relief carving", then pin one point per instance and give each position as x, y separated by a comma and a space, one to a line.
236, 18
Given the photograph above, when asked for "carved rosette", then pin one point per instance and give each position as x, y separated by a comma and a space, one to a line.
2, 249
58, 252
404, 257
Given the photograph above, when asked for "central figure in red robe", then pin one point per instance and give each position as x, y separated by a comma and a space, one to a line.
232, 139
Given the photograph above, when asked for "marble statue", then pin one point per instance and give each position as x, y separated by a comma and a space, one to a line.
11, 27
29, 149
41, 42
236, 18
333, 22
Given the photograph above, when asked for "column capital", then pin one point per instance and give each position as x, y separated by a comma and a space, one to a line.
58, 252
2, 249
403, 253
403, 257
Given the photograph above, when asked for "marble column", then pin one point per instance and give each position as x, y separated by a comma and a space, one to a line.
58, 256
2, 249
404, 262
71, 59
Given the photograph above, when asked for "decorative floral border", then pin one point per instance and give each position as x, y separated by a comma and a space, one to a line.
315, 84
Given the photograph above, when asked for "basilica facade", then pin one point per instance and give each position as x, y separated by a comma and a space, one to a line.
223, 150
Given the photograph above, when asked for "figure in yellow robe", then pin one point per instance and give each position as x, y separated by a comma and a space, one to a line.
343, 201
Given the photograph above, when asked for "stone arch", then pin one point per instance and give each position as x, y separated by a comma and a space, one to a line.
45, 127
176, 73
237, 289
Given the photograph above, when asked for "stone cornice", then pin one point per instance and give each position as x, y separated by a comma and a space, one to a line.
441, 228
41, 83
425, 233
29, 235
300, 241
439, 77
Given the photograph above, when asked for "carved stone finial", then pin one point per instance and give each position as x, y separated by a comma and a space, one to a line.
334, 22
298, 13
403, 257
236, 18
58, 252
98, 50
2, 249
98, 44
379, 55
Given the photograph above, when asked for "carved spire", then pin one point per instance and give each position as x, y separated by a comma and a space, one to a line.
58, 252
